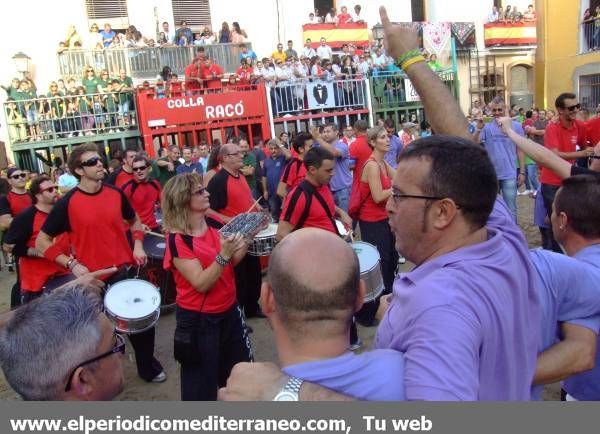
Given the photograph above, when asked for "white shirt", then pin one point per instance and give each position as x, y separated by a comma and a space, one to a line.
356, 18
314, 20
324, 52
308, 52
329, 19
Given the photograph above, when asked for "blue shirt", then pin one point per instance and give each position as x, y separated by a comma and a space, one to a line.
272, 171
194, 167
586, 386
502, 150
342, 178
107, 37
569, 292
248, 54
395, 147
203, 161
376, 375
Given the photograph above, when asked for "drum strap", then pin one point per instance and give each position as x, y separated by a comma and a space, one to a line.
310, 191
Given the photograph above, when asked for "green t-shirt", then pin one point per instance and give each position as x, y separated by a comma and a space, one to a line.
111, 102
162, 174
250, 160
127, 95
57, 104
90, 84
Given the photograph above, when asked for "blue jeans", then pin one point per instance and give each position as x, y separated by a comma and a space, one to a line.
342, 198
508, 189
531, 181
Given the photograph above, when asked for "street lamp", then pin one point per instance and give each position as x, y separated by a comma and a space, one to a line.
21, 62
378, 32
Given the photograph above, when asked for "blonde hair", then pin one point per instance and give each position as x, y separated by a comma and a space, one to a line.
372, 134
175, 201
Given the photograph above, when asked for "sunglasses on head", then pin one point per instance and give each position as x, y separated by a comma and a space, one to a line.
139, 168
19, 175
91, 162
573, 107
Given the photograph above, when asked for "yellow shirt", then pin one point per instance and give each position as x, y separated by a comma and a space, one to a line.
279, 56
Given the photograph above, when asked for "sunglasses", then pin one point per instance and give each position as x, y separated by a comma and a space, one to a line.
497, 110
91, 162
139, 168
49, 189
19, 175
573, 107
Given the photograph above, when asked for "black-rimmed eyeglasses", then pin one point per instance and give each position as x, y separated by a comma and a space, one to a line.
119, 347
397, 196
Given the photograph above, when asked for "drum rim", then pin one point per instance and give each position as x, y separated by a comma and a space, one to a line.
269, 235
113, 314
374, 248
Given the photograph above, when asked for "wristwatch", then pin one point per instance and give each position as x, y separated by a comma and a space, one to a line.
290, 391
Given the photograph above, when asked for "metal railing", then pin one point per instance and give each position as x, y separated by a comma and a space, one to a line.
146, 63
304, 97
58, 119
590, 34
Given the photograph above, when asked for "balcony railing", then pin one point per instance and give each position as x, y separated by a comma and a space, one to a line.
590, 37
146, 63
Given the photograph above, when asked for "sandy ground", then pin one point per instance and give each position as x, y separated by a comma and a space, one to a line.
262, 339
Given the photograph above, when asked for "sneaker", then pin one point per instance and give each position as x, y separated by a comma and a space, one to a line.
160, 378
356, 345
401, 260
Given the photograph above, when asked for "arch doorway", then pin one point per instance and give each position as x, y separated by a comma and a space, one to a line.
521, 86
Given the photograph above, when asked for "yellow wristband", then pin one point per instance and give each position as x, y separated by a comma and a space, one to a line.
412, 61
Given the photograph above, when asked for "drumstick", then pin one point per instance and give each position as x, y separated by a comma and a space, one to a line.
253, 205
156, 234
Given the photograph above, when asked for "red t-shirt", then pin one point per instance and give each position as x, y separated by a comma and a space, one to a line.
593, 131
222, 295
122, 178
207, 74
370, 211
294, 207
143, 196
244, 75
13, 203
344, 18
23, 231
564, 140
229, 195
360, 152
94, 222
193, 76
293, 173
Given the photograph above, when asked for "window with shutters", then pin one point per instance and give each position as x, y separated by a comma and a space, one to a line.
113, 12
195, 12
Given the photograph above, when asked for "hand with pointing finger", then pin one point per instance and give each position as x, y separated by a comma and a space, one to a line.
399, 38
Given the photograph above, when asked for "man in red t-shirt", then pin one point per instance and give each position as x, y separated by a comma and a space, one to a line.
12, 204
294, 172
143, 192
35, 269
230, 195
563, 137
593, 131
310, 204
360, 151
92, 214
212, 73
124, 173
193, 75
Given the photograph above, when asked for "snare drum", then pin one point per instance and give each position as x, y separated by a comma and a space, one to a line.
133, 305
370, 269
155, 273
345, 233
264, 241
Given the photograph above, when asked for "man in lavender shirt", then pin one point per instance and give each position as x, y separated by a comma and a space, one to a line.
503, 153
311, 313
463, 316
391, 156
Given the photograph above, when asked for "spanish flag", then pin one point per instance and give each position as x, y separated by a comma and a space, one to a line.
510, 34
336, 36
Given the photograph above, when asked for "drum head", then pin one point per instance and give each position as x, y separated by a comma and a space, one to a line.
154, 246
368, 256
132, 299
268, 232
341, 228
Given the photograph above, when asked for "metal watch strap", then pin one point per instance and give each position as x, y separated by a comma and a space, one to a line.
293, 385
221, 260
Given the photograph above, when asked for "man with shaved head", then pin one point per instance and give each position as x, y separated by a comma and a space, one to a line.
311, 313
230, 195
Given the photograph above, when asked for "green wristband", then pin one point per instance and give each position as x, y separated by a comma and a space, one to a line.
408, 55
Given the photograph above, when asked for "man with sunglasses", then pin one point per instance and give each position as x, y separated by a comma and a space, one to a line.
13, 203
143, 192
123, 174
63, 348
563, 137
34, 268
93, 214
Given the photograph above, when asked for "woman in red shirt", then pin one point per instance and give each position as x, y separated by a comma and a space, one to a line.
375, 189
210, 336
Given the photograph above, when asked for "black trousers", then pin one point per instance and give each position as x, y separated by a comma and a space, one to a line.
381, 236
548, 194
248, 279
143, 343
15, 292
208, 345
27, 296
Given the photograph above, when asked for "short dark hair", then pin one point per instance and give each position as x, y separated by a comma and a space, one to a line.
559, 103
35, 186
389, 123
361, 125
75, 156
139, 158
579, 199
461, 171
331, 125
315, 157
290, 41
300, 140
529, 114
128, 151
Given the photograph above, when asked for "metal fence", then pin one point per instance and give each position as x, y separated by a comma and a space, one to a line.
146, 63
591, 37
303, 97
589, 91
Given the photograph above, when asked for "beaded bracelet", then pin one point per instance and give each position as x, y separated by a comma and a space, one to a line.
412, 61
408, 55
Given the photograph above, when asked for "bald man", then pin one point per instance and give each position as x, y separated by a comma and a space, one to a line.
311, 313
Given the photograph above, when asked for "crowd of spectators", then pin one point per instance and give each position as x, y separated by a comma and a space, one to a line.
332, 16
510, 15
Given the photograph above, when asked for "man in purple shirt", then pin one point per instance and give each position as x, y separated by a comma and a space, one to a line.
341, 182
311, 313
391, 156
504, 154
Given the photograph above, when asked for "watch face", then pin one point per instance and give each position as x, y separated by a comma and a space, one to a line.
286, 396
